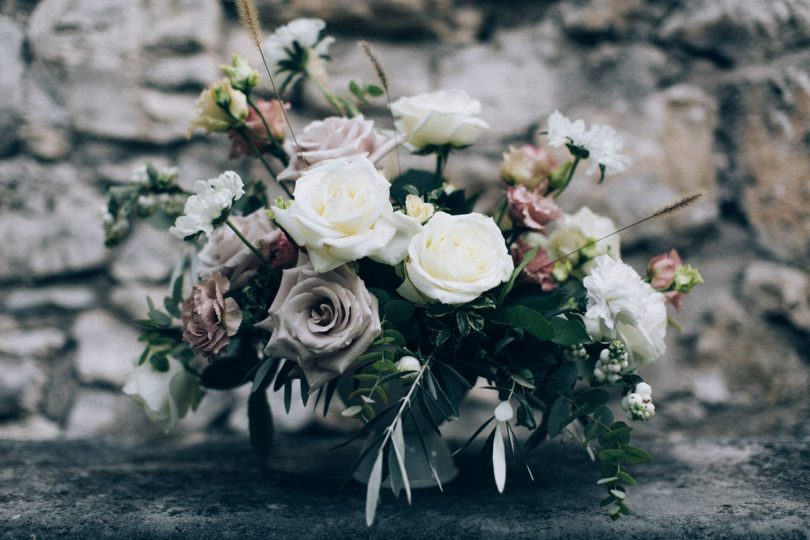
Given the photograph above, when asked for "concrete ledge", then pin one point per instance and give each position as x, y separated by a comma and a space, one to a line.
702, 488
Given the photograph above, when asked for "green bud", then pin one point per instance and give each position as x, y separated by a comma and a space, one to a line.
556, 179
241, 75
686, 277
562, 269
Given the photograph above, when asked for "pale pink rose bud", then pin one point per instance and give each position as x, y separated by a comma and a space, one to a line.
208, 318
661, 270
528, 166
530, 209
675, 298
273, 115
539, 268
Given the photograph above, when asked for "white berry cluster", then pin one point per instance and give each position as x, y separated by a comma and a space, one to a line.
638, 404
612, 363
577, 352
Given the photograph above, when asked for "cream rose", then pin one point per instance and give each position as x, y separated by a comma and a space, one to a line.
443, 118
342, 212
322, 321
166, 395
335, 137
455, 259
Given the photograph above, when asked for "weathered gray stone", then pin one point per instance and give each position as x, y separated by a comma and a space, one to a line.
774, 289
50, 220
149, 255
32, 428
107, 348
45, 142
736, 31
11, 41
68, 297
183, 72
40, 342
96, 413
21, 383
602, 16
130, 298
733, 488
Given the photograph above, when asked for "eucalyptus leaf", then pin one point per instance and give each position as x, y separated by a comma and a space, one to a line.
558, 416
373, 489
529, 320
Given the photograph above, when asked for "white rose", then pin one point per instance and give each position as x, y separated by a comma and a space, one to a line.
335, 137
622, 306
165, 396
447, 117
342, 212
418, 209
455, 259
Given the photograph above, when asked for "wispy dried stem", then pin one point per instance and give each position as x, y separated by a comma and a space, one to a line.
662, 212
383, 78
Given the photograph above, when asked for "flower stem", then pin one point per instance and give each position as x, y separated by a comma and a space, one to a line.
259, 155
441, 161
264, 121
569, 176
248, 244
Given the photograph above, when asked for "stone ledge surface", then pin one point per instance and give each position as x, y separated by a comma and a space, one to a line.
694, 488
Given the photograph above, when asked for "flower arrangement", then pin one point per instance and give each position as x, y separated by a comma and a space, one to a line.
387, 288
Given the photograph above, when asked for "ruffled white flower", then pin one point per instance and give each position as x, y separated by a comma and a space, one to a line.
212, 198
602, 142
342, 212
455, 259
622, 306
280, 45
443, 118
638, 404
418, 209
165, 396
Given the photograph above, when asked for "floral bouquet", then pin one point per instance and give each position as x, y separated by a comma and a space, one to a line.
386, 288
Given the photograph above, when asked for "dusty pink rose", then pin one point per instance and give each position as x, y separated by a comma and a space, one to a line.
661, 270
226, 254
528, 166
208, 318
335, 137
531, 209
539, 268
675, 298
256, 130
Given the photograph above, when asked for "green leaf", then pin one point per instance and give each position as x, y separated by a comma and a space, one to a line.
228, 372
529, 320
374, 90
626, 478
398, 311
355, 89
635, 455
562, 379
611, 454
260, 422
287, 395
527, 257
463, 323
352, 411
159, 362
568, 332
424, 181
615, 436
177, 290
261, 373
525, 416
557, 416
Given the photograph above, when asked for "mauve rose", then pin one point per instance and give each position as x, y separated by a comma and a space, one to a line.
274, 116
528, 166
335, 137
324, 322
226, 254
531, 209
208, 318
662, 270
539, 268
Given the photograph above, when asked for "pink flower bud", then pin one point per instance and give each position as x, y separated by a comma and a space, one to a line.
530, 209
273, 115
527, 166
281, 252
675, 298
662, 270
539, 268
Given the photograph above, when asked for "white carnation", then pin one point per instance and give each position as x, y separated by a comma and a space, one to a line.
602, 142
212, 197
622, 306
342, 212
306, 32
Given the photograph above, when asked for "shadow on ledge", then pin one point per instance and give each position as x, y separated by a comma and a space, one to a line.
699, 488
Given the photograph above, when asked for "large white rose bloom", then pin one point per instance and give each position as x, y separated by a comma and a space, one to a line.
455, 259
622, 306
212, 197
602, 142
341, 212
165, 396
443, 118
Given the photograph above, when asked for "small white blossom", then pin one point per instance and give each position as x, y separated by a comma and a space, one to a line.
638, 404
602, 142
504, 412
418, 209
213, 197
280, 45
408, 363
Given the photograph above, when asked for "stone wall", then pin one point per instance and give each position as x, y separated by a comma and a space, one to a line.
711, 95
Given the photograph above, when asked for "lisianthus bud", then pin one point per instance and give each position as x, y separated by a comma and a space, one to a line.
528, 166
686, 277
531, 209
219, 108
661, 270
242, 76
408, 363
271, 113
418, 209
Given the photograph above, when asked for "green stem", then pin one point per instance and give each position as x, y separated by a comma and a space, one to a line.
441, 161
247, 243
328, 94
570, 175
264, 161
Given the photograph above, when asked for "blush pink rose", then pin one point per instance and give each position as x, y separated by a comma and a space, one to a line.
539, 268
661, 270
528, 166
273, 114
530, 209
